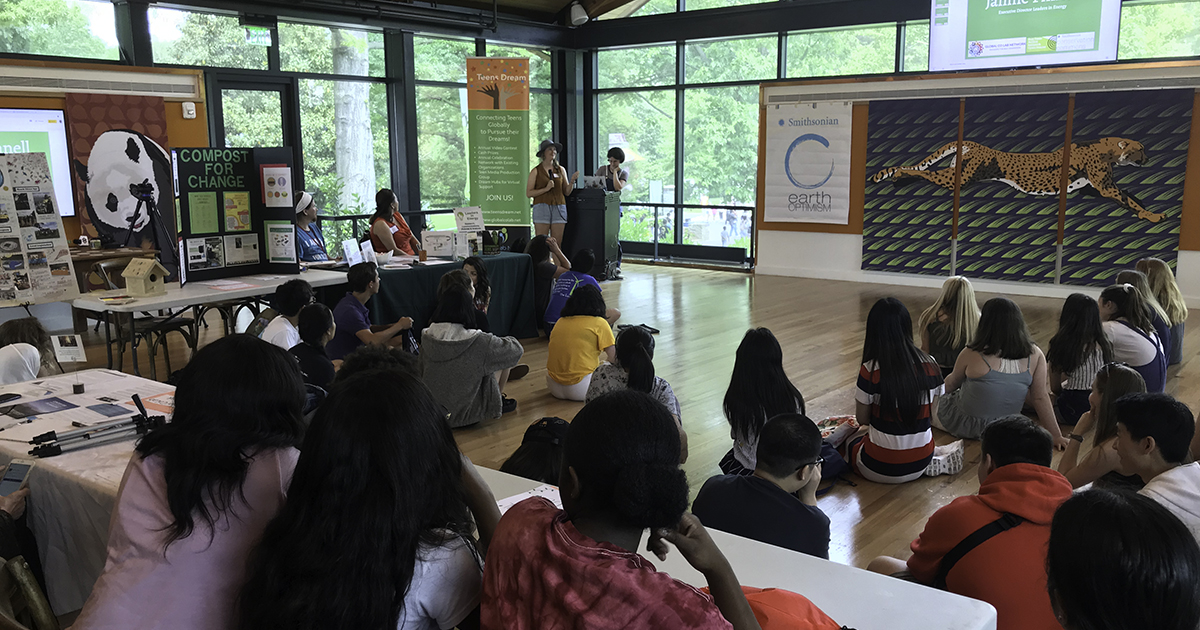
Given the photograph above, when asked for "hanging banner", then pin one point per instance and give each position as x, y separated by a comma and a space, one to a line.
808, 163
498, 138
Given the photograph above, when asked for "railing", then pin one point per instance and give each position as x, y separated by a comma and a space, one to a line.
668, 231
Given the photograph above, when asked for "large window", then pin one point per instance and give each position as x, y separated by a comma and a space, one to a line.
202, 39
539, 61
916, 47
324, 50
344, 127
842, 51
717, 61
1159, 29
253, 118
442, 146
63, 28
636, 67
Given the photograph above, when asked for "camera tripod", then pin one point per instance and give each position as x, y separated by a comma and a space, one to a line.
145, 196
53, 443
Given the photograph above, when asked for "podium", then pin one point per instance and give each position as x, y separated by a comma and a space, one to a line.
594, 222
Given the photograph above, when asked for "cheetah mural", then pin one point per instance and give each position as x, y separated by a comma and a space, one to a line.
1090, 170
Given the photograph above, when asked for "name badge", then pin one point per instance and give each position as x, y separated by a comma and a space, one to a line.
393, 229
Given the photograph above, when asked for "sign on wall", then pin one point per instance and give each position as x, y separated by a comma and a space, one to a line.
808, 163
498, 135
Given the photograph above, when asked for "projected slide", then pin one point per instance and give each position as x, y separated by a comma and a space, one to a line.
41, 131
979, 34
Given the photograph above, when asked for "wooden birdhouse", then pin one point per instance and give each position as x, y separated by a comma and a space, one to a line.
145, 277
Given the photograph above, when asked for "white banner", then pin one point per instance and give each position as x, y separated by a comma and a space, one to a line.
808, 163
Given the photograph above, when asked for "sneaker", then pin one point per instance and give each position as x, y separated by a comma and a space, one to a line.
507, 405
947, 460
518, 372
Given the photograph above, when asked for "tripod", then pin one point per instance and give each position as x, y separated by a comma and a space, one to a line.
53, 443
145, 196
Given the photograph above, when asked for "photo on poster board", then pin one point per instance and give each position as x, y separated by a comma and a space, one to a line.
241, 249
277, 185
35, 261
205, 253
281, 241
808, 163
237, 211
69, 349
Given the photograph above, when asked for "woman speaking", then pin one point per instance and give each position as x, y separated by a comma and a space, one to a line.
549, 187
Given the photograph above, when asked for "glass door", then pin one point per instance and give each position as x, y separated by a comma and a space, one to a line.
258, 112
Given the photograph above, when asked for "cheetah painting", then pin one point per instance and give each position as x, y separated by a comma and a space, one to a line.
1090, 170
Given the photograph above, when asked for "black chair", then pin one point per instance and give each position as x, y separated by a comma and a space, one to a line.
149, 328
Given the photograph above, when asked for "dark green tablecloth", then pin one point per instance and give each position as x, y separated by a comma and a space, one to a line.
413, 293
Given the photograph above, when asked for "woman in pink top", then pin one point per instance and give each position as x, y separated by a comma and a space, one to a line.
199, 491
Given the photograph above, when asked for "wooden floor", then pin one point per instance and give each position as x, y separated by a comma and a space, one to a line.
703, 315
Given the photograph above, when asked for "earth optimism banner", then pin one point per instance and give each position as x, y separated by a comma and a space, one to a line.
498, 137
808, 163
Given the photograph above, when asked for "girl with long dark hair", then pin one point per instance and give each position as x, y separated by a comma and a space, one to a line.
1130, 327
200, 490
479, 278
376, 532
1077, 352
1100, 464
578, 567
389, 230
898, 386
634, 369
996, 375
758, 389
1166, 291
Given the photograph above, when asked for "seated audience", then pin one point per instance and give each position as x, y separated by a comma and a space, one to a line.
309, 239
19, 362
1158, 315
199, 491
1130, 327
290, 297
565, 285
381, 478
1153, 433
460, 278
465, 368
474, 267
376, 357
578, 567
634, 369
389, 230
1101, 466
549, 263
540, 455
579, 341
898, 386
996, 375
1077, 351
1118, 561
1166, 291
1018, 494
316, 330
948, 325
31, 331
759, 389
776, 505
353, 319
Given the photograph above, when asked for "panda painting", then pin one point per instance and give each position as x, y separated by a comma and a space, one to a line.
121, 158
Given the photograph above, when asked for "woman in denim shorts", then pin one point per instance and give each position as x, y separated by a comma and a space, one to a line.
549, 187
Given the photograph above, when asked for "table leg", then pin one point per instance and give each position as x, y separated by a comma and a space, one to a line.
133, 346
108, 340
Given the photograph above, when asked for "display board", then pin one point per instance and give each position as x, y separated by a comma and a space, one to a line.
907, 222
236, 212
35, 260
498, 137
41, 131
808, 163
979, 34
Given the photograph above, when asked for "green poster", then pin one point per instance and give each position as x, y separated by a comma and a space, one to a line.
498, 138
26, 142
203, 211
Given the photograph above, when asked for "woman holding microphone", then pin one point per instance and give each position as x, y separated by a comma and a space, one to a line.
549, 187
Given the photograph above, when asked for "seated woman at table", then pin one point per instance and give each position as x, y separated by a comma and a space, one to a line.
308, 234
578, 567
464, 367
581, 338
290, 297
199, 491
389, 230
380, 475
31, 331
316, 330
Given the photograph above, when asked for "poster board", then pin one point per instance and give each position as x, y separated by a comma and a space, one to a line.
498, 137
808, 162
35, 259
236, 212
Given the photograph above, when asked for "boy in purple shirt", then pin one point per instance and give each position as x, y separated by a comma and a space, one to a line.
353, 320
565, 285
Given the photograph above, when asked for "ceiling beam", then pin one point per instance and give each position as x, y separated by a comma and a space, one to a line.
596, 8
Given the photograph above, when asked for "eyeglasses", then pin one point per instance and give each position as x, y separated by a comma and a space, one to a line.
820, 460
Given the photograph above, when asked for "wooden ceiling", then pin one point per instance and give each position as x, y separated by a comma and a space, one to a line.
550, 10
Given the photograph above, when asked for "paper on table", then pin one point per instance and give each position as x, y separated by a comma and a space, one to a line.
545, 491
235, 286
69, 349
438, 262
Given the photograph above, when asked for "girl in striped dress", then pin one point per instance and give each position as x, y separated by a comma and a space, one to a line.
898, 386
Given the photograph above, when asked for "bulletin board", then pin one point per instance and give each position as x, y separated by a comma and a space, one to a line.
236, 212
